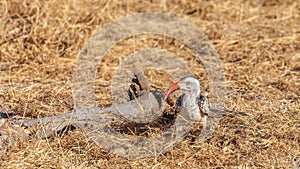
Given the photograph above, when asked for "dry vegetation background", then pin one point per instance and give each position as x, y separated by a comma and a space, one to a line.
258, 42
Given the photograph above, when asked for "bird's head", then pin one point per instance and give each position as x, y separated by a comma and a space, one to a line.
188, 85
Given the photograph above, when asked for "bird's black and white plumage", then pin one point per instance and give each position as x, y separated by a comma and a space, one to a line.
195, 101
192, 99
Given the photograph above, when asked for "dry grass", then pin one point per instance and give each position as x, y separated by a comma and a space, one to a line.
258, 42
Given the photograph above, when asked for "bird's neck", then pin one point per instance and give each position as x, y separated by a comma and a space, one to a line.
190, 104
190, 101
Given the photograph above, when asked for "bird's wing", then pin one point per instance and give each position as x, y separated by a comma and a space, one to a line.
203, 104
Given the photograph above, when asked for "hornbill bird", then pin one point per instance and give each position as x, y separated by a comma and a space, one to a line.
194, 101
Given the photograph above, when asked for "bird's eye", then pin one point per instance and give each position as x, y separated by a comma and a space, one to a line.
188, 83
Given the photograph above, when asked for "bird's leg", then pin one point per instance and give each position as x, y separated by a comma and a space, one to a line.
140, 84
142, 80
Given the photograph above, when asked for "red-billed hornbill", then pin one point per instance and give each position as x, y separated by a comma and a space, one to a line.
194, 101
191, 99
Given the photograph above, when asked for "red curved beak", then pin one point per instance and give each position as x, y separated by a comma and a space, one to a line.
172, 89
